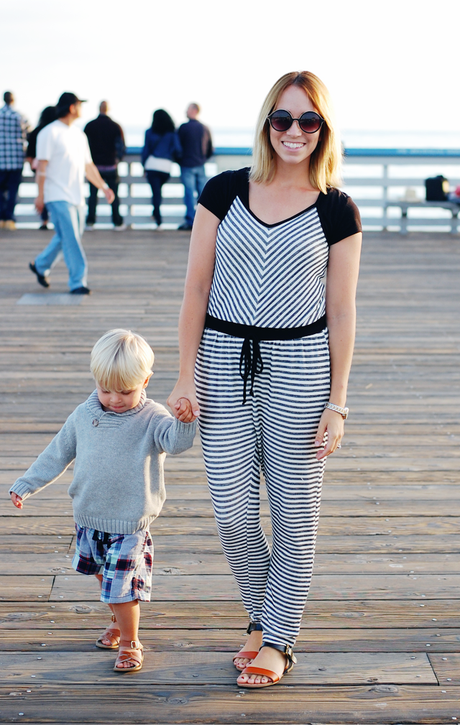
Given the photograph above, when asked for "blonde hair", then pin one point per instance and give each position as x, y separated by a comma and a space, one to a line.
121, 360
326, 159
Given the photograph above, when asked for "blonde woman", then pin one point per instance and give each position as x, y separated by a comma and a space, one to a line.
265, 353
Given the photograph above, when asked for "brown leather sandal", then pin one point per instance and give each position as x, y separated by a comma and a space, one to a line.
247, 654
133, 654
111, 636
275, 678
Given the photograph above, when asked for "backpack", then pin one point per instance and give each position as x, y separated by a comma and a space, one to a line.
437, 188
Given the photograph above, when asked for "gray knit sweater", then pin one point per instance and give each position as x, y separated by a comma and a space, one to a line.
118, 480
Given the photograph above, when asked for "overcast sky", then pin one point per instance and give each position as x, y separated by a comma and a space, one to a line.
390, 65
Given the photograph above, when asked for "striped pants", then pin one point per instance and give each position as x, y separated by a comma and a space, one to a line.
273, 433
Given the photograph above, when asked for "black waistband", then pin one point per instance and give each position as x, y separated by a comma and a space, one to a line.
251, 363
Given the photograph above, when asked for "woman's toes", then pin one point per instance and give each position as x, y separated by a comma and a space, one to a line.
242, 663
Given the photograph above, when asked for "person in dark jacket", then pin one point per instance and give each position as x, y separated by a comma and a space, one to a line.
161, 148
47, 116
196, 142
107, 144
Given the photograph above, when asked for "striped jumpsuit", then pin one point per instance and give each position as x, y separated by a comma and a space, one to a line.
267, 275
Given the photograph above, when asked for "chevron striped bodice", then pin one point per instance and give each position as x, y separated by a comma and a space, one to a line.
269, 275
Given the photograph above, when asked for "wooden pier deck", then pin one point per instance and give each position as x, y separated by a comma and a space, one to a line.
380, 641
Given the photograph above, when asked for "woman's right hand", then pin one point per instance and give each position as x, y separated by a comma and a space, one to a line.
176, 403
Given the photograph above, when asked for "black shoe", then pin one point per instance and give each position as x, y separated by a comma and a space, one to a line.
80, 291
43, 226
41, 279
184, 227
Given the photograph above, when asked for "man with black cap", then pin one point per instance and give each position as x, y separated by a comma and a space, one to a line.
64, 159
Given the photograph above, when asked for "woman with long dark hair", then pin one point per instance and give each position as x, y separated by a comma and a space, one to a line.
47, 116
266, 342
161, 148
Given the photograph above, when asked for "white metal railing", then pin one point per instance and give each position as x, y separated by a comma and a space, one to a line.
383, 183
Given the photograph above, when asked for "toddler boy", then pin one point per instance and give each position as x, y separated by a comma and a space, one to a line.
118, 440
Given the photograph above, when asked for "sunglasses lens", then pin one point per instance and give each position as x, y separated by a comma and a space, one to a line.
281, 120
310, 122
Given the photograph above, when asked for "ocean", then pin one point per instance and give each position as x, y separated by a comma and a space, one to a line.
351, 138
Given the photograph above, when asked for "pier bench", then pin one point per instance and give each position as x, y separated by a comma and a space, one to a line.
404, 205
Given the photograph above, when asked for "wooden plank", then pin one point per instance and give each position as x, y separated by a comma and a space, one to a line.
212, 668
10, 545
160, 705
329, 525
366, 544
217, 588
324, 614
389, 640
193, 488
197, 508
18, 588
446, 667
195, 562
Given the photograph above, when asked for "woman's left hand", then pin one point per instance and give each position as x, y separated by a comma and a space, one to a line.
331, 423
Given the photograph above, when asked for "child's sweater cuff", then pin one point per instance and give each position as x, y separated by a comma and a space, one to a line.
21, 489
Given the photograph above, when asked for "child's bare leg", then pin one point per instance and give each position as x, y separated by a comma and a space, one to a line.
108, 641
127, 615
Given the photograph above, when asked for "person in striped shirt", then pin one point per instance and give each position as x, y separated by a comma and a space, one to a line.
266, 342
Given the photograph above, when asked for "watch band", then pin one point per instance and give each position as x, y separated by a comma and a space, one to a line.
337, 409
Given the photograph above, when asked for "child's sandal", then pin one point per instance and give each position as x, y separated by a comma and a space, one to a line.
132, 655
109, 634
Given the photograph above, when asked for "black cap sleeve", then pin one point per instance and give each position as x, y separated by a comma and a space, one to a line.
339, 216
220, 191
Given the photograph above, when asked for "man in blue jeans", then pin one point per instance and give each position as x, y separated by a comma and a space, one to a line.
64, 159
196, 143
13, 133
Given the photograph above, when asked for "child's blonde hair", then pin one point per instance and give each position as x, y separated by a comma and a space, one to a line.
121, 360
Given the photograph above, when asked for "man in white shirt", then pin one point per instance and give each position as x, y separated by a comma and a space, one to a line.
64, 159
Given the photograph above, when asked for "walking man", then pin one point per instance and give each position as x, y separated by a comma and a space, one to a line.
196, 142
13, 135
107, 145
64, 159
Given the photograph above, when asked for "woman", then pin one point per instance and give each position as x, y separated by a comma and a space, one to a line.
161, 148
270, 378
47, 116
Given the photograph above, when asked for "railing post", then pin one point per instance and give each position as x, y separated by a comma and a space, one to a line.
385, 196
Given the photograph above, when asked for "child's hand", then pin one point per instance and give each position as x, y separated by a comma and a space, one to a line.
183, 411
181, 397
17, 500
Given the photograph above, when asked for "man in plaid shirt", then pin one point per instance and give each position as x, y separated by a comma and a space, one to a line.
13, 134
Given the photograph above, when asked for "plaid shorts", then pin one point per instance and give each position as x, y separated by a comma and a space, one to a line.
125, 562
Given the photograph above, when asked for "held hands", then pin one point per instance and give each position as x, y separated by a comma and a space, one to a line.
184, 404
331, 423
17, 500
183, 411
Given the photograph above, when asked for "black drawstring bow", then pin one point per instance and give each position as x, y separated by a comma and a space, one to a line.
251, 363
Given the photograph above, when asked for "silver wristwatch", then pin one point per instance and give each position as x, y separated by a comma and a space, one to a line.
337, 409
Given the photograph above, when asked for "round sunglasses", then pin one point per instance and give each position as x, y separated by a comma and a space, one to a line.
309, 122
